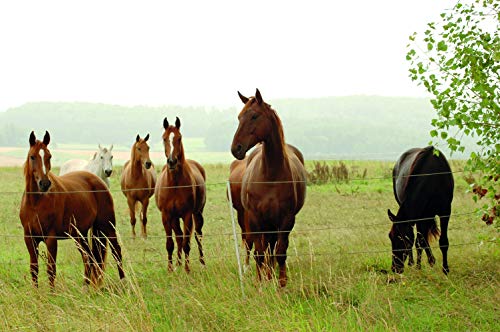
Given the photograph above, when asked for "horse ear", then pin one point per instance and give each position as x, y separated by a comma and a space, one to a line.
137, 138
95, 155
32, 138
258, 96
177, 123
391, 215
146, 138
111, 148
165, 123
99, 146
46, 138
243, 98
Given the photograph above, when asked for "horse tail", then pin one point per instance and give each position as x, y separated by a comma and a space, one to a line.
433, 232
99, 250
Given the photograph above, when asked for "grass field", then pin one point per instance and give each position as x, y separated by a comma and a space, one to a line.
339, 256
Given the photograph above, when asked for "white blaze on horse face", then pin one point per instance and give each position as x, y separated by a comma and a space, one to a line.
42, 155
171, 143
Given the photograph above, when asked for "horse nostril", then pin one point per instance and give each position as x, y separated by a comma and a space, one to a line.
239, 147
108, 172
148, 164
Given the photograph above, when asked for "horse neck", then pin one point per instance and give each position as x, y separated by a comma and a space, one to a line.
135, 165
274, 156
94, 166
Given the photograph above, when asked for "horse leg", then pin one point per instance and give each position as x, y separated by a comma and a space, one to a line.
271, 239
51, 243
244, 237
281, 248
259, 253
186, 240
419, 243
443, 239
176, 226
167, 225
116, 249
32, 246
131, 209
83, 247
198, 224
144, 218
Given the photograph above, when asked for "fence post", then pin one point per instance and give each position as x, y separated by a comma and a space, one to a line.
236, 246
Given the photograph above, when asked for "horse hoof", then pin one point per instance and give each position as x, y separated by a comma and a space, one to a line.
202, 261
432, 261
446, 270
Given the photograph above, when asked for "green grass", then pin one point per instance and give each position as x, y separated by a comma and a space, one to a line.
338, 257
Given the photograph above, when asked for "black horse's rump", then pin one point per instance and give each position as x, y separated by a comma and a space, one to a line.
423, 187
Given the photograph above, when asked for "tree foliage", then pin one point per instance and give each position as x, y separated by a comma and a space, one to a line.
459, 64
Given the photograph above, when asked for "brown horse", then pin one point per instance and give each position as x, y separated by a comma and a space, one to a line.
69, 206
236, 171
180, 193
138, 181
273, 185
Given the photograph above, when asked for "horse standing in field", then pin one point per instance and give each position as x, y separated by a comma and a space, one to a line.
101, 164
236, 171
138, 181
69, 206
180, 193
423, 187
273, 185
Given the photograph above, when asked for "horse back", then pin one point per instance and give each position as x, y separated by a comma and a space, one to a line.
73, 165
423, 181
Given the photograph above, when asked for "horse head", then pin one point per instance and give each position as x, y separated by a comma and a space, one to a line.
402, 239
172, 141
141, 151
105, 159
38, 162
254, 124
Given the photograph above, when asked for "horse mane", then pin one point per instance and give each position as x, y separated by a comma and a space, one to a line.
279, 126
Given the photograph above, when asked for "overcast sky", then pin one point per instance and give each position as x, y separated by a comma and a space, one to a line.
202, 52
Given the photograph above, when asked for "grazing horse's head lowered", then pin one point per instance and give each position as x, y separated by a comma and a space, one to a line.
140, 152
38, 163
402, 239
172, 141
256, 120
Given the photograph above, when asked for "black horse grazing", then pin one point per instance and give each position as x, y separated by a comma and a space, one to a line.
423, 187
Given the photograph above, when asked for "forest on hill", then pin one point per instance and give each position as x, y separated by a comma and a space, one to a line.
355, 127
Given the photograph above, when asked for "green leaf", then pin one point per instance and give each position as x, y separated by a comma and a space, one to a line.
434, 133
442, 46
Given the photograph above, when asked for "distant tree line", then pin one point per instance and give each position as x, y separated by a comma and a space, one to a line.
321, 127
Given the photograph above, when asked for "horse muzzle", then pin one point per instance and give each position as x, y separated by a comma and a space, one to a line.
238, 151
108, 172
148, 164
44, 185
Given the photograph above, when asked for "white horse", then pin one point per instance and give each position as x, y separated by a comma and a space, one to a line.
101, 164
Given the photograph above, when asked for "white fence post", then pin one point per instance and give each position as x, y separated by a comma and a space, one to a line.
236, 246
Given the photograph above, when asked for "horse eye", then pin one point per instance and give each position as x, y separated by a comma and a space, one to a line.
111, 157
102, 157
32, 157
255, 116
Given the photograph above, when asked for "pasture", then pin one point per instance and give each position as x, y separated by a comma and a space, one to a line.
338, 268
